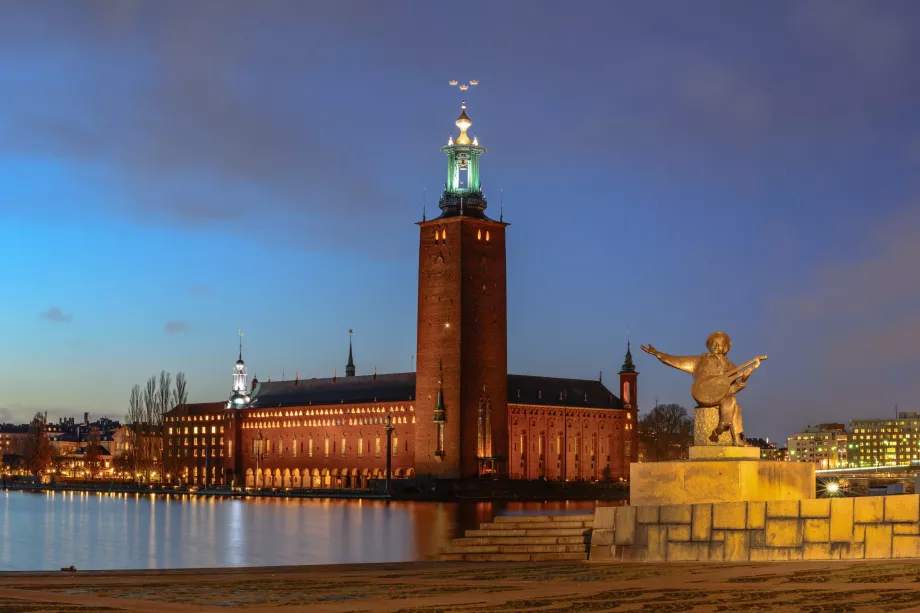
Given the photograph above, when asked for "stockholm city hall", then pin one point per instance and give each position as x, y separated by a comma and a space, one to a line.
461, 415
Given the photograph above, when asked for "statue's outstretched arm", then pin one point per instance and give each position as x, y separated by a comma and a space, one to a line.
686, 363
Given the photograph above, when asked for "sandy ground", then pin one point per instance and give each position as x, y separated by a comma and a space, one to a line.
816, 587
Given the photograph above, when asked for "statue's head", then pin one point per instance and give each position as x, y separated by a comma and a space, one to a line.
719, 343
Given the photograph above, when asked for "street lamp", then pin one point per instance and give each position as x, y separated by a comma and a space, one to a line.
388, 426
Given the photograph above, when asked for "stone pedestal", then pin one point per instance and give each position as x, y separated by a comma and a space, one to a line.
719, 479
705, 420
720, 452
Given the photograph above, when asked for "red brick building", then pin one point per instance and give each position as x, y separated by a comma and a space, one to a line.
461, 415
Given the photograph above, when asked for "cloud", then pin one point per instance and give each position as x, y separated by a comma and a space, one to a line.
6, 416
176, 327
55, 314
852, 322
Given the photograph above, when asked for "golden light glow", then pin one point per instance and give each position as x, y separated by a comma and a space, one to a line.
446, 325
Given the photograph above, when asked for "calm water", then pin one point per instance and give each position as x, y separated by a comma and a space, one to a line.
47, 531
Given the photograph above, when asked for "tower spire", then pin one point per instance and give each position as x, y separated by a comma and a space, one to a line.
628, 365
350, 367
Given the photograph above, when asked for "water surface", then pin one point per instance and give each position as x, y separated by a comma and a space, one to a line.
51, 530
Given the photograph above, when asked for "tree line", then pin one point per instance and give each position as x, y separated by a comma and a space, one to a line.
667, 432
143, 456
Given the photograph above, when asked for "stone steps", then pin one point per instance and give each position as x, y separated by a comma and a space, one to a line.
582, 548
549, 532
523, 538
520, 519
556, 525
509, 557
520, 540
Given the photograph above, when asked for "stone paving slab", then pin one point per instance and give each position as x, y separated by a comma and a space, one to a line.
818, 587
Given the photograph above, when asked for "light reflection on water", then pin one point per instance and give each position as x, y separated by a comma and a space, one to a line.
48, 531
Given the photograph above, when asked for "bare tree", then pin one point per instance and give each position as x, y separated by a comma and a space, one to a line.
179, 400
164, 396
39, 452
151, 407
667, 431
91, 459
134, 419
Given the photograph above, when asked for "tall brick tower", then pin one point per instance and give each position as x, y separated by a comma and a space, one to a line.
462, 369
629, 380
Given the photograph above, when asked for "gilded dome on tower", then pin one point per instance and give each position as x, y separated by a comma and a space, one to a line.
463, 122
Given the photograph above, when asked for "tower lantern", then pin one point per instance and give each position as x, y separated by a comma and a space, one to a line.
463, 190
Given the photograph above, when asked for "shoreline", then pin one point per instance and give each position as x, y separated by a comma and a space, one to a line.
553, 493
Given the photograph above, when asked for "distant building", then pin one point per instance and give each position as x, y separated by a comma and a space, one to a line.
767, 449
825, 445
886, 442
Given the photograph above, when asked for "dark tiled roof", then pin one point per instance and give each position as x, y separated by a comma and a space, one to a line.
366, 388
102, 451
10, 428
522, 389
198, 408
530, 389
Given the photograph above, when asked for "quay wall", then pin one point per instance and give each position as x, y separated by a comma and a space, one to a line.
864, 528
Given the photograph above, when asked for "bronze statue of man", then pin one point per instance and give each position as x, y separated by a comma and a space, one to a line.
715, 382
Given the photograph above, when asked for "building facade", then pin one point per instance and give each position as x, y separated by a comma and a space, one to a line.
885, 442
824, 445
460, 415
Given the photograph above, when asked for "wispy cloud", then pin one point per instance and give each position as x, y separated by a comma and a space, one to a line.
56, 315
176, 327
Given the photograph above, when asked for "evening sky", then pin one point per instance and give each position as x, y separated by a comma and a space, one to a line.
173, 171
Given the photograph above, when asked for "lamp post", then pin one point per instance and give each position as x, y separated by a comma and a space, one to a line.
388, 426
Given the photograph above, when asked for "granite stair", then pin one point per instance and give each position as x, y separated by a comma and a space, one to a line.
524, 538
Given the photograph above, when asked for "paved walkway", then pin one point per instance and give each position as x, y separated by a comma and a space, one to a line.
814, 587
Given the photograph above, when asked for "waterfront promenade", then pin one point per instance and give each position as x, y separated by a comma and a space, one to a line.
508, 588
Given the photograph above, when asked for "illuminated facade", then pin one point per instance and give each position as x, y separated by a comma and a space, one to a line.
824, 445
885, 442
460, 415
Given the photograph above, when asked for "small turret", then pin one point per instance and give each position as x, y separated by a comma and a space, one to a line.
239, 398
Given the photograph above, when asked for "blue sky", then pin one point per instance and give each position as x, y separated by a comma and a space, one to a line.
170, 172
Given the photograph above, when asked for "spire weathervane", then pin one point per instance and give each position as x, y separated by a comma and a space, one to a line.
241, 342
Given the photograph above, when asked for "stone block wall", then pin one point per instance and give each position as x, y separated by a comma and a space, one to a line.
875, 527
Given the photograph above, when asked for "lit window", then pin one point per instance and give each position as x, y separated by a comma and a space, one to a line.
310, 448
360, 446
479, 235
326, 447
487, 235
395, 445
377, 447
